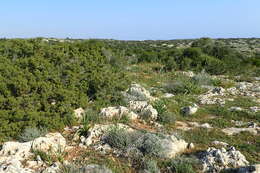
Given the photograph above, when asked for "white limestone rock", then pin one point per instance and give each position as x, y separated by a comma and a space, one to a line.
79, 113
51, 142
144, 109
13, 165
137, 93
233, 130
214, 160
190, 110
19, 150
118, 111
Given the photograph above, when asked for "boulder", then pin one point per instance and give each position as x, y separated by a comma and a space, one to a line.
144, 109
19, 150
214, 160
190, 110
51, 142
79, 113
13, 165
137, 93
118, 111
255, 109
172, 146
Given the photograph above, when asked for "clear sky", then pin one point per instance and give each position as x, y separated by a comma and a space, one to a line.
130, 19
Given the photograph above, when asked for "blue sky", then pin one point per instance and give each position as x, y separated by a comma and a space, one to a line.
130, 19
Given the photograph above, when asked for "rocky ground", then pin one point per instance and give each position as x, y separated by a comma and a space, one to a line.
218, 129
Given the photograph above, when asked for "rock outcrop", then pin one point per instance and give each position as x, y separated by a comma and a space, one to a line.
214, 160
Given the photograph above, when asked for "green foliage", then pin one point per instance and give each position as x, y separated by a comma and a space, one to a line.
119, 138
164, 116
182, 165
31, 133
90, 118
149, 144
43, 82
183, 85
150, 166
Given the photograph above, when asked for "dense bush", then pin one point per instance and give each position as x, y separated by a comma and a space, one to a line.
42, 82
31, 133
182, 84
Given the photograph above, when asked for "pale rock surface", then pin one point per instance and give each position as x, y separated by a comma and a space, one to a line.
13, 165
190, 110
144, 109
118, 111
51, 142
54, 168
79, 113
168, 95
220, 143
137, 93
214, 160
96, 133
172, 146
255, 109
19, 150
233, 130
234, 108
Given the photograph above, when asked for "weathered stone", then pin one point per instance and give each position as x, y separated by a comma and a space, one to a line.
51, 142
220, 143
233, 130
246, 169
118, 111
190, 110
19, 150
144, 109
79, 113
13, 165
214, 160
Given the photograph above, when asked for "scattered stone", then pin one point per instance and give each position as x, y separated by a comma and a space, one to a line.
214, 160
51, 142
218, 91
233, 130
18, 150
220, 143
190, 110
79, 113
168, 95
54, 168
234, 108
13, 165
144, 109
118, 111
255, 109
246, 169
187, 73
191, 146
137, 93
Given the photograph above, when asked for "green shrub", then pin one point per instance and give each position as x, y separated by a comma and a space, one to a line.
151, 166
164, 116
149, 144
31, 133
119, 138
43, 82
183, 85
182, 165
